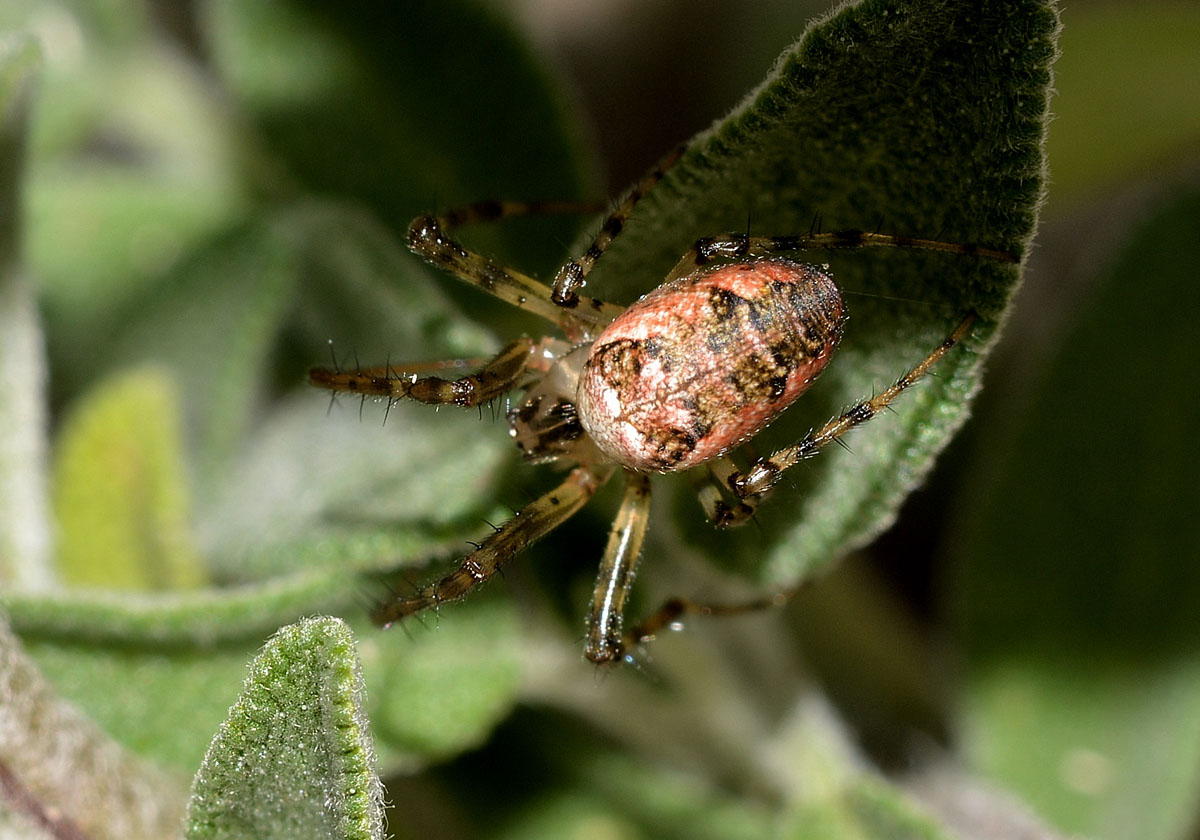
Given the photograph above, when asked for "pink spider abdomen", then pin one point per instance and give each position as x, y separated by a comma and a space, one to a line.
705, 362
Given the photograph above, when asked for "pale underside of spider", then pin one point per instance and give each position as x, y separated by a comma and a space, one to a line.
677, 380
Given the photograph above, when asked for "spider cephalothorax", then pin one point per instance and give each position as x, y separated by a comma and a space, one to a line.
678, 379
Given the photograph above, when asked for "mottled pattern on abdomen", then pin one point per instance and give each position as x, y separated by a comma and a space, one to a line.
704, 363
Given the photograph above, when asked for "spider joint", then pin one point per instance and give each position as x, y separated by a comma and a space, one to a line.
566, 285
761, 478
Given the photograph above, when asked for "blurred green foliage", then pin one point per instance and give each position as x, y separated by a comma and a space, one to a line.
219, 189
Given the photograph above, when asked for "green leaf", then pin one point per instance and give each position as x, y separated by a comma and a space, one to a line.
831, 793
24, 519
613, 795
170, 661
196, 618
816, 787
1081, 585
919, 118
295, 757
214, 321
58, 769
161, 702
119, 489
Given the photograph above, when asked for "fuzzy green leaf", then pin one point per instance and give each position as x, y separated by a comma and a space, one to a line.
161, 703
24, 520
919, 118
295, 757
1081, 583
119, 488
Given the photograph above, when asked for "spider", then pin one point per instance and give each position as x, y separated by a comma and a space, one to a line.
677, 380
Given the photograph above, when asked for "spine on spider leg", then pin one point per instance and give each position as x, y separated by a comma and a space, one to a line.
358, 382
394, 385
527, 526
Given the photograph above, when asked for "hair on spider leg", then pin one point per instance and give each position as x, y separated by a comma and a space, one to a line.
397, 585
491, 406
333, 358
895, 298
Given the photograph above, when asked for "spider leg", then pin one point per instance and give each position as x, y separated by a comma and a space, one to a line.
740, 245
428, 238
527, 526
607, 615
494, 379
675, 609
571, 276
561, 304
752, 486
708, 491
